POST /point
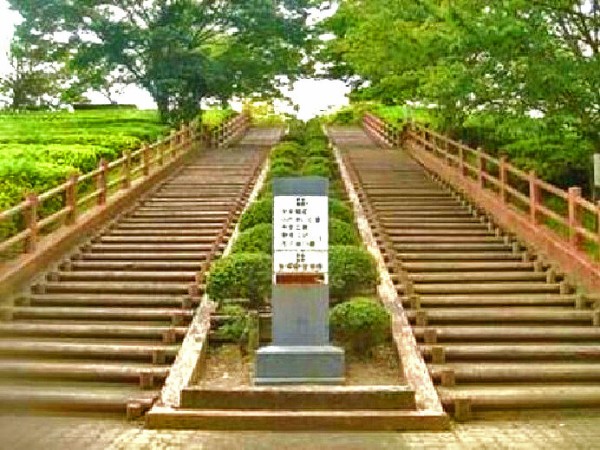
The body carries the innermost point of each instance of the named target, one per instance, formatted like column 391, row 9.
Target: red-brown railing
column 566, row 213
column 94, row 188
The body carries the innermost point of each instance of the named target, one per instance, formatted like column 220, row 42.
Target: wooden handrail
column 132, row 165
column 510, row 184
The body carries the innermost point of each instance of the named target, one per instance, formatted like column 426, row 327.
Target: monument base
column 299, row 365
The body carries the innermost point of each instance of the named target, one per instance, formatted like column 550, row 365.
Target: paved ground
column 568, row 430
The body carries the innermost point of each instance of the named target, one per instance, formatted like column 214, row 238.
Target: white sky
column 312, row 96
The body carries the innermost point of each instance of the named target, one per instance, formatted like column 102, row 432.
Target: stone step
column 112, row 276
column 453, row 247
column 156, row 247
column 157, row 353
column 534, row 372
column 144, row 256
column 428, row 267
column 458, row 256
column 497, row 333
column 485, row 288
column 525, row 299
column 580, row 352
column 102, row 299
column 301, row 398
column 167, row 227
column 114, row 287
column 499, row 315
column 88, row 329
column 142, row 266
column 75, row 397
column 289, row 420
column 67, row 370
column 169, row 232
column 174, row 315
column 402, row 241
column 523, row 396
column 111, row 239
column 455, row 277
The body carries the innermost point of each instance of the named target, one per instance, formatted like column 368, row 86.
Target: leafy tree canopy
column 181, row 51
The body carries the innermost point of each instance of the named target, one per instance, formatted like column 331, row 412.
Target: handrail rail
column 76, row 191
column 564, row 212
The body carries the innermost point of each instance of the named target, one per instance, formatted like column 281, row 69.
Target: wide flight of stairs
column 100, row 332
column 498, row 327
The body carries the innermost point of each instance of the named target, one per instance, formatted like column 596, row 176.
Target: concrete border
column 413, row 364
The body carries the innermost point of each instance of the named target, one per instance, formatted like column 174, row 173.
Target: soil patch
column 226, row 367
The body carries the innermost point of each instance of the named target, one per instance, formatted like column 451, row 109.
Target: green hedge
column 241, row 275
column 258, row 239
column 360, row 324
column 352, row 271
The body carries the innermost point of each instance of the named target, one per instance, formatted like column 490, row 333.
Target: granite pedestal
column 301, row 353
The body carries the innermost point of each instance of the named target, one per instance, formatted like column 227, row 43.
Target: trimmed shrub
column 287, row 150
column 258, row 239
column 352, row 270
column 340, row 210
column 359, row 324
column 241, row 275
column 261, row 211
column 316, row 170
column 342, row 233
column 236, row 324
column 282, row 171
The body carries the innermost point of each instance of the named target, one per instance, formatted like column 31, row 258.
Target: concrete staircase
column 100, row 332
column 498, row 327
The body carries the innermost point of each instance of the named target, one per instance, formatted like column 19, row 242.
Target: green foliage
column 241, row 275
column 430, row 53
column 215, row 116
column 340, row 210
column 235, row 325
column 342, row 233
column 352, row 270
column 360, row 324
column 317, row 167
column 261, row 211
column 258, row 239
column 181, row 51
column 288, row 151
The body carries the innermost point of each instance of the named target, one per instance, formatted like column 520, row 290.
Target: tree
column 181, row 51
column 487, row 66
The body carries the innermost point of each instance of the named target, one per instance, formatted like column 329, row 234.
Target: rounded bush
column 261, row 211
column 316, row 170
column 287, row 150
column 282, row 171
column 258, row 239
column 342, row 233
column 352, row 270
column 283, row 161
column 359, row 324
column 340, row 210
column 241, row 275
column 235, row 325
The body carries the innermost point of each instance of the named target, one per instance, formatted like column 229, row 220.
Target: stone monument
column 300, row 352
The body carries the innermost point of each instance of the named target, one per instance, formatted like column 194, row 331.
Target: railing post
column 503, row 178
column 101, row 181
column 461, row 160
column 71, row 198
column 146, row 160
column 173, row 143
column 534, row 197
column 160, row 152
column 31, row 219
column 480, row 168
column 127, row 171
column 574, row 216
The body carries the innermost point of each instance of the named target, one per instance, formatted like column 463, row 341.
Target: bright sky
column 312, row 96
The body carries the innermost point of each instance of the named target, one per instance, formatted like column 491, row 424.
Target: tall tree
column 499, row 61
column 181, row 51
